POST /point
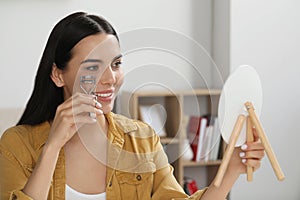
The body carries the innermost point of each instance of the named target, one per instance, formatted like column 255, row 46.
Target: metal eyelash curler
column 88, row 85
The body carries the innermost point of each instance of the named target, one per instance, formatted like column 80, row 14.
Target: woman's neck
column 100, row 127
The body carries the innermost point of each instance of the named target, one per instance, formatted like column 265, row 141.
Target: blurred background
column 263, row 34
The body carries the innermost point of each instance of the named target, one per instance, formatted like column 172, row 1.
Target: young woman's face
column 97, row 56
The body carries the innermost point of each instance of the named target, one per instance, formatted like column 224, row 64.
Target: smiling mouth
column 104, row 95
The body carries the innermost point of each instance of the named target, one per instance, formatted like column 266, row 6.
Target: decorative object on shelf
column 242, row 91
column 155, row 115
column 186, row 147
column 187, row 150
column 190, row 186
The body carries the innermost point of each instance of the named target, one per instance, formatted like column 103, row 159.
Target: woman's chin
column 107, row 109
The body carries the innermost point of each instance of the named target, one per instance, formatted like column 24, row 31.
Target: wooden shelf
column 168, row 140
column 201, row 163
column 203, row 92
column 164, row 93
column 177, row 104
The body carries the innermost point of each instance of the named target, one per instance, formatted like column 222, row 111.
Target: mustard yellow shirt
column 137, row 165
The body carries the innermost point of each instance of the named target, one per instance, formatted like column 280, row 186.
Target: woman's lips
column 104, row 96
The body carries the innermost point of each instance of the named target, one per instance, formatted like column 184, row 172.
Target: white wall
column 220, row 42
column 266, row 35
column 25, row 26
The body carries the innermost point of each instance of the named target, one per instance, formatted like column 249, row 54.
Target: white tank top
column 72, row 194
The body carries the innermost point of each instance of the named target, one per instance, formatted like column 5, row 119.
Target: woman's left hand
column 249, row 154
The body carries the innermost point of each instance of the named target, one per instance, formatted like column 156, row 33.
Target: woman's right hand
column 70, row 116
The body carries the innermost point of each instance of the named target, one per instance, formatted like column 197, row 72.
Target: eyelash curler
column 88, row 85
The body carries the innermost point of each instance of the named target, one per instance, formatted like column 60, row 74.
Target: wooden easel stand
column 252, row 121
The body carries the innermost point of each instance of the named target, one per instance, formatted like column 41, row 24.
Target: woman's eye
column 92, row 68
column 117, row 64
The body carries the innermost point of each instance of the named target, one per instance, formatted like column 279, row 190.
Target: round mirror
column 241, row 86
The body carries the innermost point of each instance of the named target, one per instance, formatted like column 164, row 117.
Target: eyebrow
column 118, row 56
column 91, row 60
column 100, row 61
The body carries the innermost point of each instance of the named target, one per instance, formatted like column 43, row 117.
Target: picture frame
column 155, row 115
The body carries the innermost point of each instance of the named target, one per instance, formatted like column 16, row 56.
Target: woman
column 39, row 157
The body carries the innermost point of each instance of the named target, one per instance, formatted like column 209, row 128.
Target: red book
column 193, row 133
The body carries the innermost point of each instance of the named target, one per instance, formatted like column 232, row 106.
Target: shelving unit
column 176, row 104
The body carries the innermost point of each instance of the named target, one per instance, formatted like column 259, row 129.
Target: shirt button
column 14, row 197
column 138, row 177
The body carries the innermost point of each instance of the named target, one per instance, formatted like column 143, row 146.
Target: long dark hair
column 46, row 96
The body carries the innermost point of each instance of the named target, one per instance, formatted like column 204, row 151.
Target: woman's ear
column 56, row 76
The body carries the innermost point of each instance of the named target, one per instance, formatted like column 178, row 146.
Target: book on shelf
column 206, row 147
column 196, row 127
column 216, row 141
column 212, row 141
column 204, row 137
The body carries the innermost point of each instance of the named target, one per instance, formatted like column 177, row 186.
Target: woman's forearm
column 221, row 192
column 38, row 184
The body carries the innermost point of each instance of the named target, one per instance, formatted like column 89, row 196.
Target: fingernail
column 98, row 104
column 243, row 160
column 98, row 111
column 242, row 154
column 244, row 147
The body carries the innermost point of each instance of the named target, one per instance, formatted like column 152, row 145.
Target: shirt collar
column 120, row 122
column 118, row 125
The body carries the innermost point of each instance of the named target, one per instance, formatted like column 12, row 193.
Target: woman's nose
column 108, row 76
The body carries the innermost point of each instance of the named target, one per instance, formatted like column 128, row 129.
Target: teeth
column 104, row 95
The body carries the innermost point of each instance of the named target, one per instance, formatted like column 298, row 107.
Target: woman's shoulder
column 19, row 135
column 133, row 126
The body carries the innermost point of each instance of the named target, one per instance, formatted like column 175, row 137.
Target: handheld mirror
column 242, row 85
column 241, row 95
